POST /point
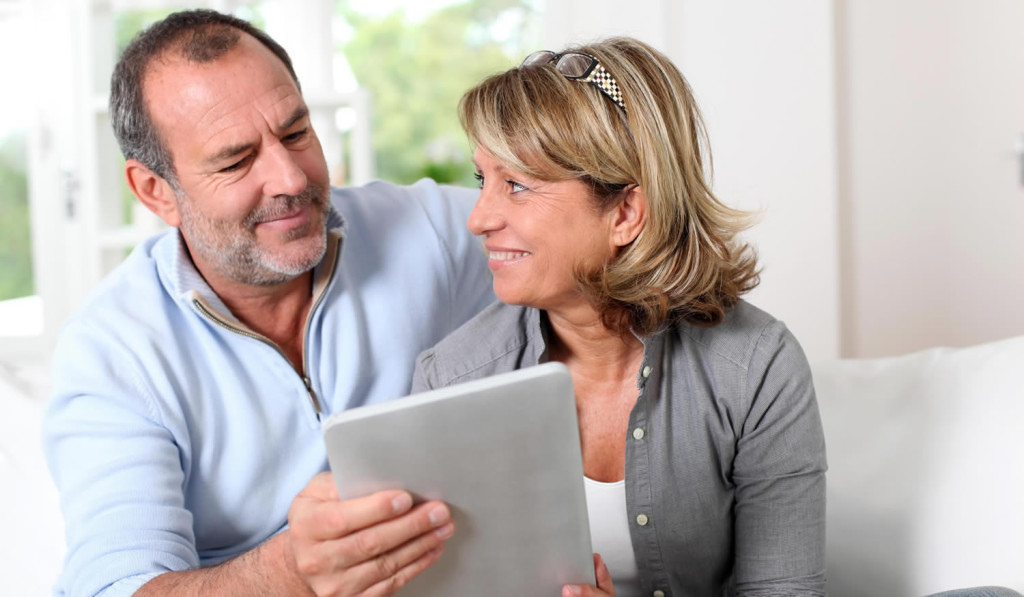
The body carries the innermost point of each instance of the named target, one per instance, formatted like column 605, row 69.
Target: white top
column 609, row 534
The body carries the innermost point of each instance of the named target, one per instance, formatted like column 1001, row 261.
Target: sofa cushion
column 30, row 519
column 926, row 470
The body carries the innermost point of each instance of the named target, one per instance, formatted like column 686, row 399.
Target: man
column 188, row 391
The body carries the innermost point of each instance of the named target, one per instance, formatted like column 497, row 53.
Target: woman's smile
column 499, row 257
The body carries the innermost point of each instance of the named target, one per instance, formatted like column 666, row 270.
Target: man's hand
column 367, row 546
column 604, row 583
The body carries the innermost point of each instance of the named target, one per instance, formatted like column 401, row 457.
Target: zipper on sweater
column 212, row 316
column 312, row 396
column 318, row 298
column 330, row 266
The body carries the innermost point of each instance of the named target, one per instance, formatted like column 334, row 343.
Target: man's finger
column 321, row 486
column 431, row 520
column 391, row 584
column 395, row 567
column 334, row 519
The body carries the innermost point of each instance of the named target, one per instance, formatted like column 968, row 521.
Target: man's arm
column 367, row 546
column 121, row 475
column 469, row 277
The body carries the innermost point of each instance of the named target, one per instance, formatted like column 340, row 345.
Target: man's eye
column 234, row 166
column 296, row 136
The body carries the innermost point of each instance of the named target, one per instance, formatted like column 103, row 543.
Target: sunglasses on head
column 582, row 67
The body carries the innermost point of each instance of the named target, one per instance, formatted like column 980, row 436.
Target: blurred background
column 882, row 142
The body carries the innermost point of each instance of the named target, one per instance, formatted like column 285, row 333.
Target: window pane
column 416, row 58
column 15, row 231
column 20, row 310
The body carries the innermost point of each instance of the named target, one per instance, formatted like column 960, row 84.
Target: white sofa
column 30, row 521
column 926, row 470
column 925, row 482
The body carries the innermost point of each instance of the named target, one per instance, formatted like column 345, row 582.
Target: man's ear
column 153, row 191
column 630, row 216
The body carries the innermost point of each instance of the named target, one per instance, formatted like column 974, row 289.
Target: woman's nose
column 485, row 217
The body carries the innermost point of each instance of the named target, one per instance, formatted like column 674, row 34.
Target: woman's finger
column 604, row 586
column 604, row 578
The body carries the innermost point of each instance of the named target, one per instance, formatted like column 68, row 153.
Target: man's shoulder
column 130, row 300
column 378, row 199
column 418, row 234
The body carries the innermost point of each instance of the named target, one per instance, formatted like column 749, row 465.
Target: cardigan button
column 641, row 520
column 647, row 371
column 658, row 594
column 638, row 433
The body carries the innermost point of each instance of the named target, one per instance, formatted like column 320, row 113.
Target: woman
column 702, row 446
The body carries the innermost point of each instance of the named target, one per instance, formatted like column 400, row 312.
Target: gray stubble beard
column 235, row 252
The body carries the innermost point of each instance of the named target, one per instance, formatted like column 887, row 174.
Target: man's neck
column 277, row 312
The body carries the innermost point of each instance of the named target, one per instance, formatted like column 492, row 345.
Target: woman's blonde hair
column 687, row 263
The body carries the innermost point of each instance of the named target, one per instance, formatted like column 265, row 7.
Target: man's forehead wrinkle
column 228, row 136
column 288, row 109
column 213, row 113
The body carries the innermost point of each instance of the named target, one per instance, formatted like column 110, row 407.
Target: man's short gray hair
column 198, row 36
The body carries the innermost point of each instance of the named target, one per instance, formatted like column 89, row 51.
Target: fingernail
column 571, row 590
column 438, row 516
column 401, row 503
column 445, row 532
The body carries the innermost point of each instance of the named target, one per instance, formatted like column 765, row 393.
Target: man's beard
column 234, row 251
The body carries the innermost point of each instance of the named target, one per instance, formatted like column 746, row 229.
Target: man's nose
column 284, row 175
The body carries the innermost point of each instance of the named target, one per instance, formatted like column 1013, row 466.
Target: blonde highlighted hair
column 687, row 263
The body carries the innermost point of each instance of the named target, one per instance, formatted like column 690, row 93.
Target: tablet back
column 504, row 453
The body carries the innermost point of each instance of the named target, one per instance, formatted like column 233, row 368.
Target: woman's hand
column 604, row 583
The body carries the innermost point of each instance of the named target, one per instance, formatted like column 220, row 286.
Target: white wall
column 878, row 138
column 933, row 103
column 764, row 75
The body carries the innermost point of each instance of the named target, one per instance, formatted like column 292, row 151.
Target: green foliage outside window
column 417, row 71
column 15, row 233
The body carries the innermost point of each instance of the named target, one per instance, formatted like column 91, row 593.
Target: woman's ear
column 153, row 191
column 630, row 216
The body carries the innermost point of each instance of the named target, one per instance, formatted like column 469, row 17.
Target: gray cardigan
column 725, row 456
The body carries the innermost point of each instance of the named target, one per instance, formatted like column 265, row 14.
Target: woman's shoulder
column 500, row 338
column 745, row 330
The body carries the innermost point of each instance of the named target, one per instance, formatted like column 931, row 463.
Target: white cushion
column 926, row 470
column 32, row 549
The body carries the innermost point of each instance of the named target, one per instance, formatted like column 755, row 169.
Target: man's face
column 252, row 179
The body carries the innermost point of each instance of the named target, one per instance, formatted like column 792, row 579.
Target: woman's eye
column 516, row 187
column 479, row 179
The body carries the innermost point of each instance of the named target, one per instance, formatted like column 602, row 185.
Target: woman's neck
column 587, row 346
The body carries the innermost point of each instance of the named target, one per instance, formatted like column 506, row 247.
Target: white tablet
column 504, row 453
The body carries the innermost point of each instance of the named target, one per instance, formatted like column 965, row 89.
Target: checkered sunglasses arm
column 606, row 83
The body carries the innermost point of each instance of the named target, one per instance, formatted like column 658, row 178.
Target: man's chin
column 286, row 265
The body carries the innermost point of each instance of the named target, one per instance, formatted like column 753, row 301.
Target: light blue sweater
column 177, row 442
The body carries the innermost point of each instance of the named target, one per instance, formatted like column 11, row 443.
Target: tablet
column 504, row 453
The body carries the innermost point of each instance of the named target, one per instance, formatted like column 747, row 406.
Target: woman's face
column 537, row 233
